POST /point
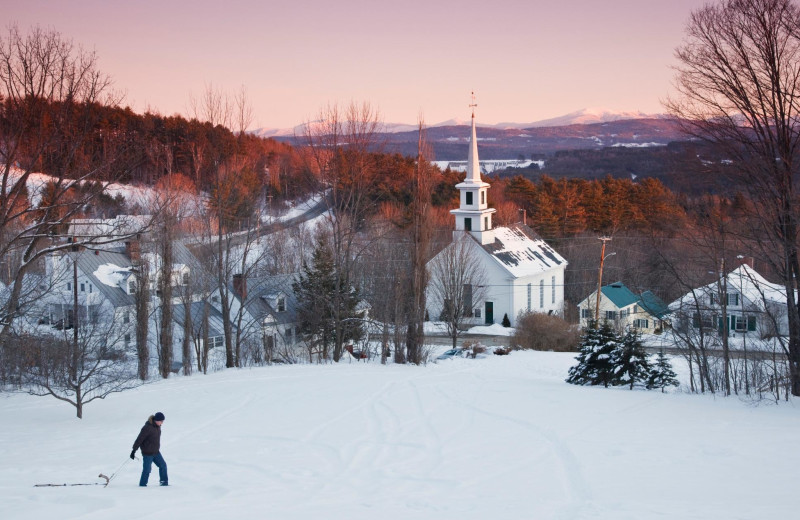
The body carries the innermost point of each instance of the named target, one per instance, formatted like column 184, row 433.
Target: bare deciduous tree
column 738, row 83
column 457, row 281
column 51, row 95
column 84, row 364
column 341, row 143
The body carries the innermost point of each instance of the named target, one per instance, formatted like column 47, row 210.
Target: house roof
column 215, row 325
column 96, row 266
column 653, row 304
column 522, row 252
column 262, row 295
column 745, row 280
column 619, row 295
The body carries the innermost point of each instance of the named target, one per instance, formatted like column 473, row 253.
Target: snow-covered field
column 501, row 437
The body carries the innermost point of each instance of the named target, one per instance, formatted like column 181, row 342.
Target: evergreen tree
column 631, row 364
column 506, row 321
column 316, row 298
column 596, row 357
column 661, row 374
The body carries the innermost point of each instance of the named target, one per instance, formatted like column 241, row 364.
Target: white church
column 522, row 272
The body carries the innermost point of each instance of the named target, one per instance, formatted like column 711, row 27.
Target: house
column 625, row 309
column 753, row 305
column 265, row 311
column 101, row 281
column 523, row 273
column 104, row 281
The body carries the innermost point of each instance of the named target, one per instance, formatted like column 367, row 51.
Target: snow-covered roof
column 521, row 252
column 112, row 274
column 104, row 269
column 745, row 280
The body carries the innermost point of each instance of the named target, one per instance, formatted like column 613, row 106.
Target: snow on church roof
column 522, row 252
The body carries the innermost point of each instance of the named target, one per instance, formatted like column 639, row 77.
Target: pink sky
column 526, row 60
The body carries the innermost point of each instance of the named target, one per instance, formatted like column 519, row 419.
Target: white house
column 753, row 305
column 268, row 309
column 99, row 280
column 523, row 273
column 623, row 309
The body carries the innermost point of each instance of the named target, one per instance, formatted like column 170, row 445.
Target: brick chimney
column 746, row 260
column 133, row 250
column 240, row 286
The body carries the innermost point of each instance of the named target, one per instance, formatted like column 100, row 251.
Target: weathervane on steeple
column 473, row 105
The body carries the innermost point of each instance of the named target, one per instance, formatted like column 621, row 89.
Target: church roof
column 522, row 252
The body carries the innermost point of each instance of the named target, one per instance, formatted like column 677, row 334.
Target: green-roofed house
column 622, row 307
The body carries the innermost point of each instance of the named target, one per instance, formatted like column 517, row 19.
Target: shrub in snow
column 506, row 322
column 661, row 374
column 473, row 348
column 539, row 331
column 500, row 351
column 598, row 350
column 631, row 362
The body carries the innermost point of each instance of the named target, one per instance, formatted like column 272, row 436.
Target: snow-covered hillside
column 501, row 437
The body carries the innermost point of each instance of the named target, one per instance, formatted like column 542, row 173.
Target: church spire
column 474, row 214
column 473, row 164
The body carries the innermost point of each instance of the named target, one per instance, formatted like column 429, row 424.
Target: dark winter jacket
column 149, row 438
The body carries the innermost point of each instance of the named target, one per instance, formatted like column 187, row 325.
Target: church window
column 483, row 197
column 468, row 224
column 485, row 222
column 469, row 198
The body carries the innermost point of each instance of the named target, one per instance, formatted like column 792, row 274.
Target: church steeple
column 474, row 214
column 473, row 164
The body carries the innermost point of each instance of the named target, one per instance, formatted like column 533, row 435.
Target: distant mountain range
column 582, row 130
column 580, row 117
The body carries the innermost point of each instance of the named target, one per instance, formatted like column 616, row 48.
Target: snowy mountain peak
column 583, row 116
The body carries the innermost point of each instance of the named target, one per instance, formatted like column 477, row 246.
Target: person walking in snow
column 149, row 440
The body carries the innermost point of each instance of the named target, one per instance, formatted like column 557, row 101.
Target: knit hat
column 158, row 416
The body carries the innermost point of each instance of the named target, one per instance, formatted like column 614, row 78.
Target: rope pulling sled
column 104, row 484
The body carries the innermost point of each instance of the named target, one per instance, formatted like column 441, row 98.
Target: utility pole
column 600, row 279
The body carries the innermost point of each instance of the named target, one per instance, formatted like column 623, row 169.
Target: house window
column 468, row 224
column 83, row 287
column 743, row 323
column 704, row 320
column 281, row 303
column 469, row 198
column 478, row 312
column 530, row 290
column 586, row 314
column 641, row 323
column 216, row 341
column 127, row 339
column 69, row 286
column 732, row 298
column 185, row 278
column 541, row 294
column 126, row 317
column 90, row 288
column 467, row 303
column 131, row 286
column 553, row 289
column 611, row 315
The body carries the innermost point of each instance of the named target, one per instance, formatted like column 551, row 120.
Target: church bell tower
column 473, row 214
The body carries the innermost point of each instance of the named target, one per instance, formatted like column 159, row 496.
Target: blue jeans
column 147, row 461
